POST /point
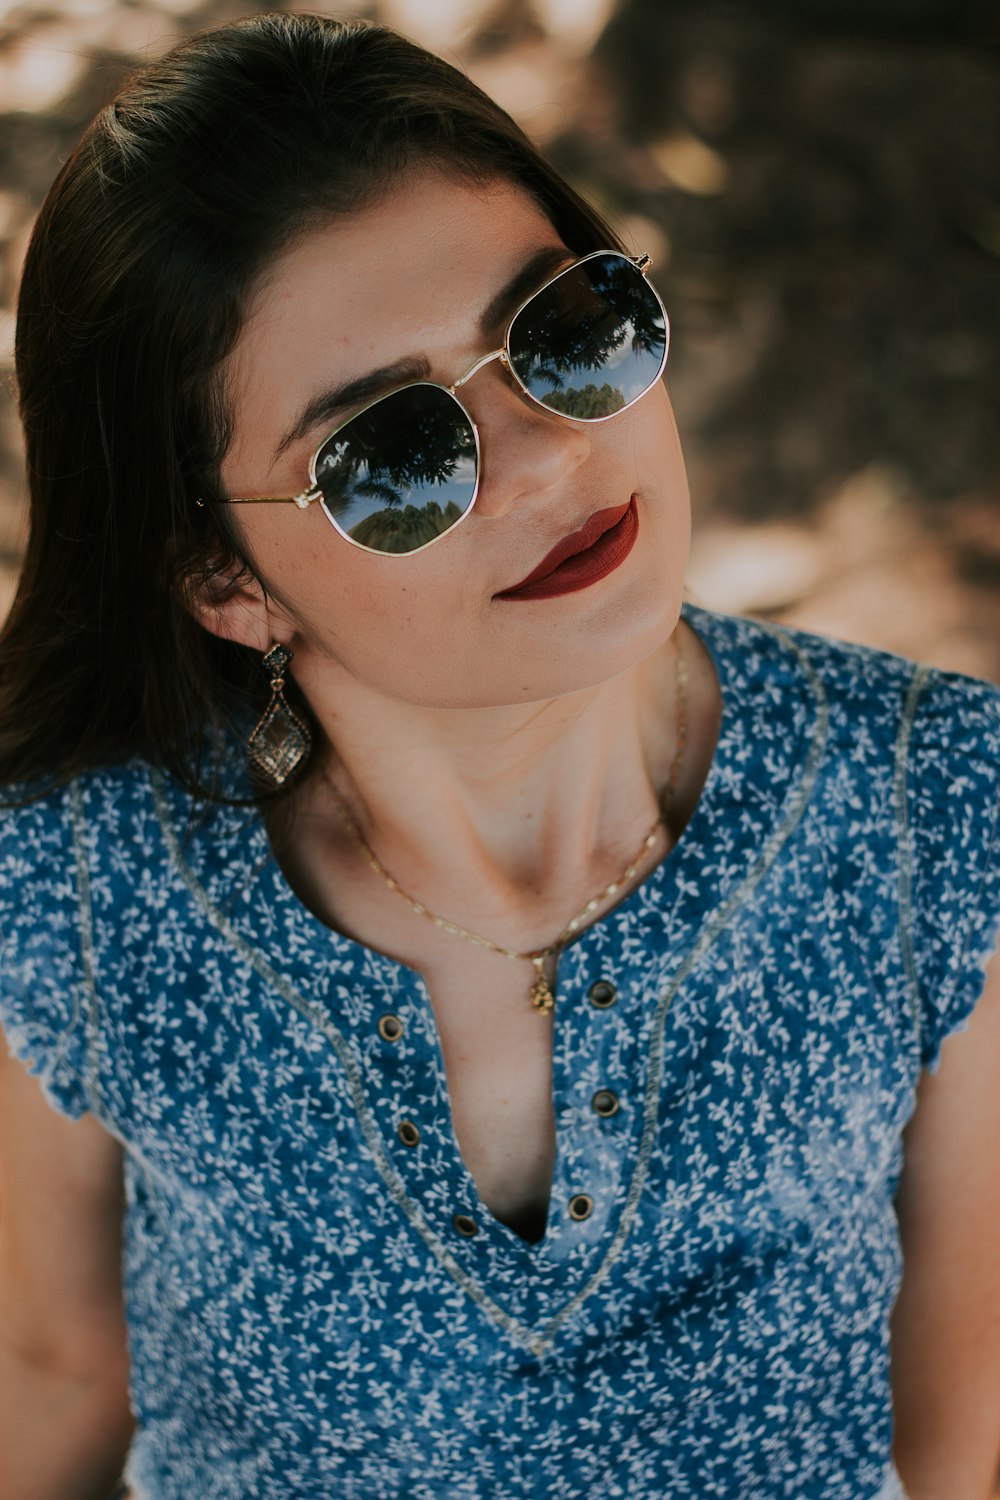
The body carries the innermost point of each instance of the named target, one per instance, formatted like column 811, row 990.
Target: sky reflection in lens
column 401, row 472
column 602, row 319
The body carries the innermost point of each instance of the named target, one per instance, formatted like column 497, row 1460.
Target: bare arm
column 946, row 1324
column 65, row 1422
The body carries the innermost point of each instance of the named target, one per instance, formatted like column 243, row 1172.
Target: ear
column 232, row 604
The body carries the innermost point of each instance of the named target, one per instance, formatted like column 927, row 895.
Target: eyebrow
column 328, row 404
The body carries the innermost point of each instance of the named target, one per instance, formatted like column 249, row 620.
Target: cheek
column 652, row 461
column 428, row 636
column 382, row 625
column 657, row 433
column 333, row 591
column 658, row 475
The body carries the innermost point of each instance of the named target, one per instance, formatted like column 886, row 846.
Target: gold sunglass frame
column 314, row 493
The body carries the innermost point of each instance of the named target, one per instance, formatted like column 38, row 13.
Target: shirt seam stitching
column 338, row 1041
column 536, row 1340
column 904, row 844
column 87, row 948
column 974, row 906
column 708, row 936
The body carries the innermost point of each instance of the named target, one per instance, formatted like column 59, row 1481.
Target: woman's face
column 406, row 283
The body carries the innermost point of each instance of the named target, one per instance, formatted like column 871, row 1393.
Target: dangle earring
column 279, row 740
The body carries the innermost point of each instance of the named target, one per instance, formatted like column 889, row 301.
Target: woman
column 476, row 1000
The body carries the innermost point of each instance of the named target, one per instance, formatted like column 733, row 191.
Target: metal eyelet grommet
column 605, row 1103
column 408, row 1133
column 581, row 1206
column 390, row 1028
column 465, row 1225
column 602, row 994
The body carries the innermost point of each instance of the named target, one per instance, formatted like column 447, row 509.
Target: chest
column 497, row 1052
column 495, row 1046
column 736, row 1057
column 715, row 1051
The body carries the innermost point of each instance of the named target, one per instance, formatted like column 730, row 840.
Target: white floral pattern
column 305, row 1318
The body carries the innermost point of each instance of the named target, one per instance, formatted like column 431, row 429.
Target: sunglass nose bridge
column 487, row 359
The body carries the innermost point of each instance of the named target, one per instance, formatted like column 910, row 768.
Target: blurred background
column 818, row 182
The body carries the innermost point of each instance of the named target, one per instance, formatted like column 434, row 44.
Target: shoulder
column 952, row 723
column 949, row 777
column 908, row 776
column 34, row 822
column 70, row 856
column 42, row 970
column 41, row 828
column 925, row 712
column 38, row 886
column 113, row 818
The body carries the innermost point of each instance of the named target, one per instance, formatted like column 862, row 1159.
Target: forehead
column 407, row 276
column 426, row 229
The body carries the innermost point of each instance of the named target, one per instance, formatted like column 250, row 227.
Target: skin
column 65, row 1420
column 946, row 1322
column 506, row 778
column 537, row 733
column 537, row 739
column 504, row 758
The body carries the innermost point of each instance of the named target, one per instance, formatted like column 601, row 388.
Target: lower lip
column 585, row 568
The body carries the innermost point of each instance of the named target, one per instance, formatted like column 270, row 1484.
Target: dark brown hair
column 145, row 254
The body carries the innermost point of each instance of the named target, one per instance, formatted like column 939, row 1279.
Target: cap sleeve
column 43, row 991
column 951, row 848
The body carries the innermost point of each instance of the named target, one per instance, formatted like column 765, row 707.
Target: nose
column 525, row 450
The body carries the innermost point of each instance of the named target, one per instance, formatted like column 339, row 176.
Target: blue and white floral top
column 321, row 1308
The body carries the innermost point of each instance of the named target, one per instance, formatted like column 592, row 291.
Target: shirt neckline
column 697, row 895
column 719, row 770
column 255, row 864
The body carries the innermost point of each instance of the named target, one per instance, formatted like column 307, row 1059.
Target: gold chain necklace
column 542, row 997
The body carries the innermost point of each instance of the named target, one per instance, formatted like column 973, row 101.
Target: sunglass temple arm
column 303, row 501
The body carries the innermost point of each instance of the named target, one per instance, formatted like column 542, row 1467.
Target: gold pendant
column 542, row 997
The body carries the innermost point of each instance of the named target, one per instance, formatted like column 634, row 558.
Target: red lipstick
column 576, row 562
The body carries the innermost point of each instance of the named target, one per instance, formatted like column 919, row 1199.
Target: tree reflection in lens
column 586, row 403
column 403, row 471
column 601, row 317
column 413, row 440
column 404, row 530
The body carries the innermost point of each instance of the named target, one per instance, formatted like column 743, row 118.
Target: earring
column 279, row 740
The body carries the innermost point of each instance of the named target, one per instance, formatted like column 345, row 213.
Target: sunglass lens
column 401, row 472
column 591, row 342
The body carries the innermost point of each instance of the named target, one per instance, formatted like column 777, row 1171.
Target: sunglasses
column 403, row 472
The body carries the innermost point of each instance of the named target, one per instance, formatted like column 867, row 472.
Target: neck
column 494, row 808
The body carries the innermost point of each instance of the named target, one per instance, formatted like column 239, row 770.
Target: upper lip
column 578, row 541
